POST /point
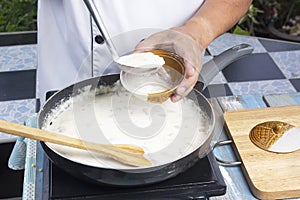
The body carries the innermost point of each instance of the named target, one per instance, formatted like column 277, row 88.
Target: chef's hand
column 183, row 45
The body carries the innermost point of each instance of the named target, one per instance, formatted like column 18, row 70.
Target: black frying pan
column 148, row 175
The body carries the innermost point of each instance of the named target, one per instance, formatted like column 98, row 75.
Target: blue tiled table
column 273, row 68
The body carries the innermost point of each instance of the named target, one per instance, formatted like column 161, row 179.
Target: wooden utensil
column 126, row 154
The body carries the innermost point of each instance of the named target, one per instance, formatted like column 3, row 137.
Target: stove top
column 201, row 181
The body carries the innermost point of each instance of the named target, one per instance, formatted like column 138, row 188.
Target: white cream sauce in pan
column 165, row 131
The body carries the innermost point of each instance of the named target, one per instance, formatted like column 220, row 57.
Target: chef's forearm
column 214, row 18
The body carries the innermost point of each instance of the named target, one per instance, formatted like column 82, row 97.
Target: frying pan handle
column 218, row 63
column 224, row 162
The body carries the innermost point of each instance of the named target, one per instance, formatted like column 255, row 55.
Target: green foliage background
column 18, row 15
column 21, row 15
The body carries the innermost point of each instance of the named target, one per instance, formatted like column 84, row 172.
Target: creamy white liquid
column 165, row 131
column 145, row 84
column 142, row 85
column 142, row 60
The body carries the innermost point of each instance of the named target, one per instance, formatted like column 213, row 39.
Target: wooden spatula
column 126, row 154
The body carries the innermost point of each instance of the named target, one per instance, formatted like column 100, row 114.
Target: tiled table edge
column 19, row 57
column 288, row 62
column 24, row 110
column 227, row 40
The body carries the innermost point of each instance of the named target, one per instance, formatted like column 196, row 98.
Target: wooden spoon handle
column 130, row 148
column 112, row 151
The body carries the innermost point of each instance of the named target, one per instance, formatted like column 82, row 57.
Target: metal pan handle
column 224, row 162
column 218, row 63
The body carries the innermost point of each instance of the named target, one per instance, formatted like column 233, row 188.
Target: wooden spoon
column 121, row 153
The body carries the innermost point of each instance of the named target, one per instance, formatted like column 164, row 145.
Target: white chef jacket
column 67, row 51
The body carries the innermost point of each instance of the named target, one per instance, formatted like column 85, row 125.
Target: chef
column 70, row 46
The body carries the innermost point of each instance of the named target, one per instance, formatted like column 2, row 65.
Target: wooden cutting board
column 269, row 175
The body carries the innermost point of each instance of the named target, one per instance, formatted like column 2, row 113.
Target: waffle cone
column 264, row 135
